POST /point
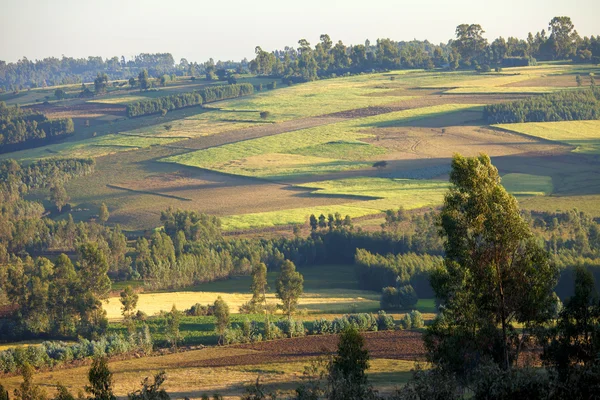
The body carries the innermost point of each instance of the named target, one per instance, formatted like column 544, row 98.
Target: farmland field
column 227, row 370
column 583, row 135
column 330, row 130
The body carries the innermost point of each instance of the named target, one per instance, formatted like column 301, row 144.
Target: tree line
column 20, row 129
column 182, row 100
column 468, row 50
column 53, row 71
column 566, row 105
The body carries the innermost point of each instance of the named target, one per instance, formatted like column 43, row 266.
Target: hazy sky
column 230, row 29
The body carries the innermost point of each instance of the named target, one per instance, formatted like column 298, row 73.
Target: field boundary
column 169, row 196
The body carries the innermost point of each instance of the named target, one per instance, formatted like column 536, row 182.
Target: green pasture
column 583, row 135
column 287, row 217
column 320, row 97
column 95, row 147
column 202, row 122
column 342, row 150
column 260, row 157
column 378, row 195
column 527, row 185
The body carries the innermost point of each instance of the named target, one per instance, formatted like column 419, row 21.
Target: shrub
column 273, row 332
column 320, row 327
column 416, row 319
column 199, row 310
column 385, row 322
column 141, row 316
column 405, row 322
column 232, row 335
column 265, row 114
column 291, row 328
column 7, row 361
column 363, row 322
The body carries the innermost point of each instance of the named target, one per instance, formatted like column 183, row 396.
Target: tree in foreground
column 572, row 346
column 495, row 274
column 101, row 380
column 347, row 373
column 289, row 285
column 221, row 312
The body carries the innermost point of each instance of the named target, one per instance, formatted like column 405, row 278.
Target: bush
column 493, row 383
column 7, row 361
column 405, row 322
column 363, row 322
column 385, row 322
column 416, row 319
column 265, row 114
column 320, row 327
column 273, row 332
column 199, row 310
column 272, row 85
column 291, row 328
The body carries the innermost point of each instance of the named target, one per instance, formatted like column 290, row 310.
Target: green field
column 583, row 135
column 527, row 185
column 378, row 195
column 336, row 149
column 252, row 157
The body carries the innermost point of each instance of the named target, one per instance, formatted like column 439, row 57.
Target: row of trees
column 21, row 129
column 468, row 50
column 561, row 106
column 182, row 100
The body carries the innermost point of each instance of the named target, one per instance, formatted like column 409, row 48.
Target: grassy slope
column 231, row 158
column 584, row 135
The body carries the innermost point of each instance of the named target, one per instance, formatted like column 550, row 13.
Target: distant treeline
column 469, row 50
column 567, row 105
column 20, row 129
column 67, row 70
column 377, row 271
column 182, row 100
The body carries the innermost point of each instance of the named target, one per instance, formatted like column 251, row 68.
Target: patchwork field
column 317, row 134
column 279, row 364
column 255, row 157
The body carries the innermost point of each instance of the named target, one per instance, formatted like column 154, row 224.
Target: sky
column 230, row 29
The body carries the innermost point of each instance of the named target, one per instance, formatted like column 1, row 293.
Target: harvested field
column 418, row 142
column 399, row 345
